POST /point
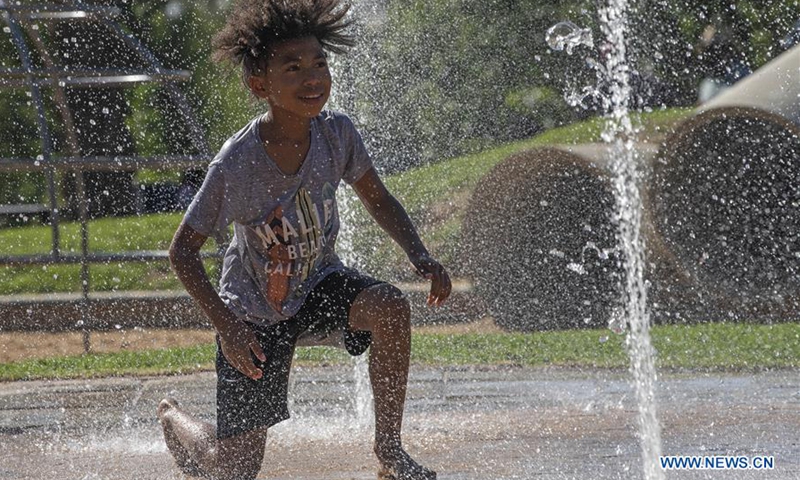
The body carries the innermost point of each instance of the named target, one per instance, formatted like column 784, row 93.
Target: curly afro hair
column 254, row 26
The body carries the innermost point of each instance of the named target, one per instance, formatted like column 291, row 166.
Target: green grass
column 724, row 347
column 142, row 362
column 445, row 184
column 706, row 346
column 147, row 232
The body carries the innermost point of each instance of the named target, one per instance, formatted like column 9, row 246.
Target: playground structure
column 53, row 85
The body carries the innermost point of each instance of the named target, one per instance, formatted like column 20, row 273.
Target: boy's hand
column 430, row 269
column 237, row 340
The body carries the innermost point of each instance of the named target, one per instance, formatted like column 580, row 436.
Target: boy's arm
column 392, row 218
column 236, row 338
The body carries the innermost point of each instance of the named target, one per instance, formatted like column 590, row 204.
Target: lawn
column 719, row 346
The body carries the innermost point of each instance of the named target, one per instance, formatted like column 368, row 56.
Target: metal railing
column 22, row 21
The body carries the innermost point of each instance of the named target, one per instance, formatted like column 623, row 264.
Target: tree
column 669, row 37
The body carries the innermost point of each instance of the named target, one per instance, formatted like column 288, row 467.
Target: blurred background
column 429, row 82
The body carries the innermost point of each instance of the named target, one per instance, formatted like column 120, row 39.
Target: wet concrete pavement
column 489, row 423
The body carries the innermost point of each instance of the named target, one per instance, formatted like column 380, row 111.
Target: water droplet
column 566, row 36
column 617, row 322
column 577, row 268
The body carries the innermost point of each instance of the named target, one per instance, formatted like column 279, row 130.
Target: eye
column 292, row 67
column 322, row 63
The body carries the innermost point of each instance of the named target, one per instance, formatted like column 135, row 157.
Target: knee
column 379, row 308
column 392, row 303
column 384, row 301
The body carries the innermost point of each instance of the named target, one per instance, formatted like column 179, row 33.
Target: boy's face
column 297, row 80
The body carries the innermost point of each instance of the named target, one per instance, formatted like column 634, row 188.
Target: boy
column 282, row 283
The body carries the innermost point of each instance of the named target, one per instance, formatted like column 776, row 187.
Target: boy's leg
column 246, row 408
column 197, row 451
column 383, row 310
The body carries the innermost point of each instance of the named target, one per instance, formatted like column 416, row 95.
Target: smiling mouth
column 312, row 97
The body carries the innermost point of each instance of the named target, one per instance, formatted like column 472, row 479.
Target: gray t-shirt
column 285, row 226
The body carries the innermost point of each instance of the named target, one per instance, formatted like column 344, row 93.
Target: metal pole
column 73, row 147
column 84, row 218
column 44, row 132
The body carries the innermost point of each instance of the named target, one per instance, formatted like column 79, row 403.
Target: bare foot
column 396, row 464
column 166, row 409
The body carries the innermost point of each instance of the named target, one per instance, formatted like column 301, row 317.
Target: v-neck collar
column 271, row 161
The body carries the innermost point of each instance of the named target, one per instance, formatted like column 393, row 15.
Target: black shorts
column 244, row 404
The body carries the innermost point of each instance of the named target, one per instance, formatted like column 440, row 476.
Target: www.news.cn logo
column 716, row 462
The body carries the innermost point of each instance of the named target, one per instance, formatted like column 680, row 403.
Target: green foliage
column 446, row 70
column 668, row 36
column 145, row 122
column 181, row 39
column 446, row 77
column 20, row 139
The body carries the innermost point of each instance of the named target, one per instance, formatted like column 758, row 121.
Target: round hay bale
column 541, row 242
column 725, row 199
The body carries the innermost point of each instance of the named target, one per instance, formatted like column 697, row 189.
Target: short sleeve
column 207, row 214
column 358, row 161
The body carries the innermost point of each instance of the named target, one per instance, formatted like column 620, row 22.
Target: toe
column 164, row 406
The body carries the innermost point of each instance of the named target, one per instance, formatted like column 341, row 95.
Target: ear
column 258, row 85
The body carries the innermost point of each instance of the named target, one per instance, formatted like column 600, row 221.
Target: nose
column 315, row 77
